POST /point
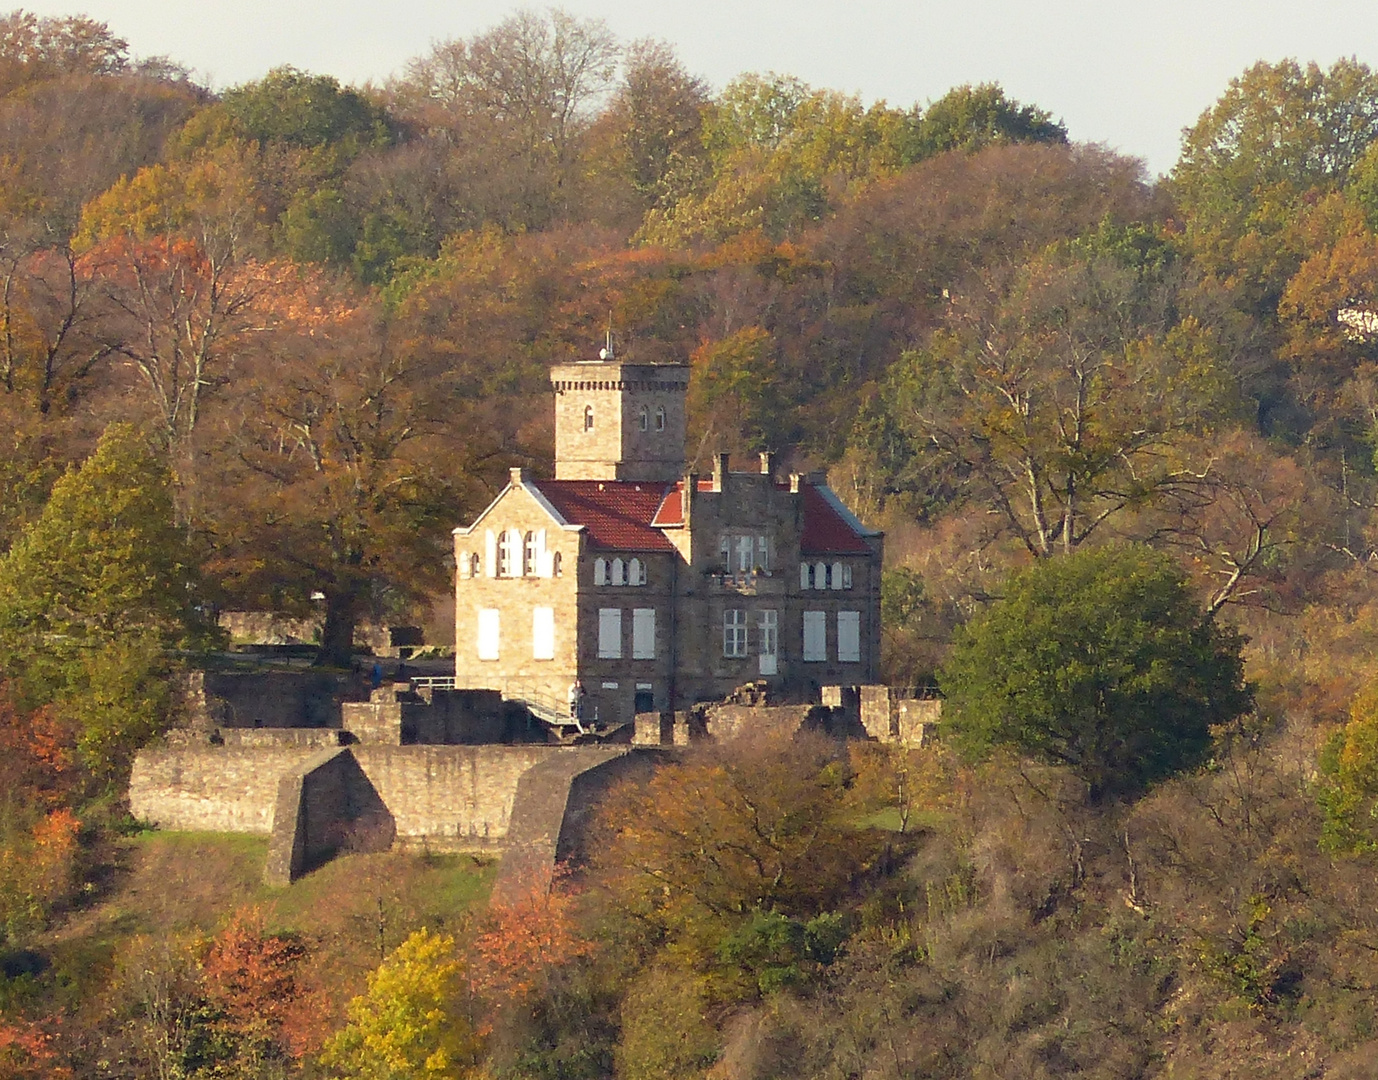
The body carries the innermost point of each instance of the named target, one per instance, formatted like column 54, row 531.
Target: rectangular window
column 734, row 632
column 744, row 560
column 815, row 636
column 763, row 552
column 643, row 633
column 610, row 633
column 543, row 633
column 488, row 625
column 849, row 636
column 768, row 641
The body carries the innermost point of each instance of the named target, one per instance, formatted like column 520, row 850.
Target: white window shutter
column 815, row 636
column 803, row 575
column 849, row 637
column 543, row 633
column 610, row 633
column 835, row 581
column 490, row 562
column 489, row 627
column 543, row 561
column 643, row 633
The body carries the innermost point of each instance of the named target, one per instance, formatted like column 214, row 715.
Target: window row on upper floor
column 617, row 572
column 819, row 575
column 512, row 553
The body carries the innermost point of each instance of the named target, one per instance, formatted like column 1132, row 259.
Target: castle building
column 627, row 584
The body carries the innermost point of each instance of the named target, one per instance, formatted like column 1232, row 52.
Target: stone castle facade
column 628, row 584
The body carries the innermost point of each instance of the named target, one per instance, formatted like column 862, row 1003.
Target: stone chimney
column 767, row 463
column 719, row 471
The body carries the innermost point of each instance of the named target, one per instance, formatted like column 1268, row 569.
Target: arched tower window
column 644, row 419
column 660, row 417
column 588, row 417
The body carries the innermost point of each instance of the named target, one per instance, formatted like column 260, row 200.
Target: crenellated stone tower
column 619, row 421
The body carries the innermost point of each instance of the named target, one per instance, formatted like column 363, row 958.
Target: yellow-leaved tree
column 408, row 1025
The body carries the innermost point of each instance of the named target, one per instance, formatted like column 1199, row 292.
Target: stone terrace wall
column 726, row 722
column 456, row 797
column 220, row 788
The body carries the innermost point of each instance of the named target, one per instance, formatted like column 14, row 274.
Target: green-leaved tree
column 1102, row 661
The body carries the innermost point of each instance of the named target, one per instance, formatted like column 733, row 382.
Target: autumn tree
column 1103, row 662
column 972, row 117
column 95, row 591
column 408, row 1024
column 1060, row 400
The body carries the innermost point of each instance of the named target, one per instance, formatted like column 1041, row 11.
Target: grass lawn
column 182, row 887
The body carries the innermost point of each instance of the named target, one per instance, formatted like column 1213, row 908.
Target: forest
column 264, row 348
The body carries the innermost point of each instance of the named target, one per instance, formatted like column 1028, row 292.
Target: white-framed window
column 588, row 417
column 531, row 555
column 619, row 572
column 474, row 564
column 849, row 637
column 763, row 552
column 734, row 632
column 643, row 633
column 746, row 547
column 543, row 633
column 644, row 419
column 815, row 636
column 768, row 640
column 660, row 417
column 489, row 633
column 610, row 633
column 509, row 549
column 805, row 576
column 835, row 581
column 600, row 571
column 636, row 572
column 557, row 564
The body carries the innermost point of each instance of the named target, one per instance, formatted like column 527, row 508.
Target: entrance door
column 769, row 638
column 645, row 701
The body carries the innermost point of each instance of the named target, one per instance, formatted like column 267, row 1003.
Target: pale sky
column 1127, row 74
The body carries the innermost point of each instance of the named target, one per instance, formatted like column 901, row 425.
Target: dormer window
column 588, row 417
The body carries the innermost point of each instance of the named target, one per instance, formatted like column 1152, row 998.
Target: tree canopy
column 1102, row 661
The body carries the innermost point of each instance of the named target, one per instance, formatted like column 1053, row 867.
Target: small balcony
column 756, row 582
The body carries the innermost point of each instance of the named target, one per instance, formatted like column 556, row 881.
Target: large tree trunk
column 337, row 636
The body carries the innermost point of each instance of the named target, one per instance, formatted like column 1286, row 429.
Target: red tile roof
column 826, row 531
column 616, row 514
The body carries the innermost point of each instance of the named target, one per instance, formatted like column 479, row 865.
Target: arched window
column 473, row 564
column 805, row 576
column 644, row 420
column 847, row 576
column 557, row 565
column 618, row 572
column 588, row 417
column 660, row 417
column 531, row 555
column 836, row 581
column 508, row 547
column 820, row 575
column 600, row 572
column 636, row 572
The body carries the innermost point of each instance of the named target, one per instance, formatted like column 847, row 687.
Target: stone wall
column 219, row 788
column 250, row 699
column 324, row 806
column 726, row 722
column 395, row 715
